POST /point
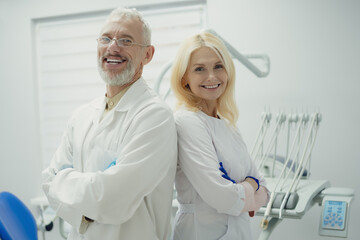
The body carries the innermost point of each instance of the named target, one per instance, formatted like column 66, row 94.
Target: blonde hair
column 226, row 105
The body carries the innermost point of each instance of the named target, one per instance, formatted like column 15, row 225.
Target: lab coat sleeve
column 112, row 196
column 198, row 160
column 261, row 196
column 63, row 159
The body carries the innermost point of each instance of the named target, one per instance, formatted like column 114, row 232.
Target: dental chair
column 16, row 220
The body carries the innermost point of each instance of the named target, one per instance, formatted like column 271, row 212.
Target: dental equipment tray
column 307, row 193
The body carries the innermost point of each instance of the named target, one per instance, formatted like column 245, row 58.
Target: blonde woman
column 217, row 183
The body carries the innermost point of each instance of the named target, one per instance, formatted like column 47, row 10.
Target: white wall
column 20, row 163
column 314, row 50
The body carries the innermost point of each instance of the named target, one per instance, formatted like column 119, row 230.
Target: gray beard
column 120, row 79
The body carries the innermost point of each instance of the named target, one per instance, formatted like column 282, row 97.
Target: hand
column 252, row 182
column 225, row 175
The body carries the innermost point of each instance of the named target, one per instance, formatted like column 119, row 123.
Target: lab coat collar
column 131, row 96
column 127, row 101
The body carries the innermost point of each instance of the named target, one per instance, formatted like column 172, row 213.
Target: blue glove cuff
column 113, row 163
column 225, row 174
column 256, row 180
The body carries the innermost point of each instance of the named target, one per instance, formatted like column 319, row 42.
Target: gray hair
column 132, row 13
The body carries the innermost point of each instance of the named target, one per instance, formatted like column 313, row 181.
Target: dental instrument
column 301, row 193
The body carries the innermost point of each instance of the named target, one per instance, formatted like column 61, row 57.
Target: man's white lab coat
column 131, row 200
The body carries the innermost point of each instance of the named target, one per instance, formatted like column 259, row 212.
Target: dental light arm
column 244, row 59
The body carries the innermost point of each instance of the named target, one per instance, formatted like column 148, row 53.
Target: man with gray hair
column 112, row 175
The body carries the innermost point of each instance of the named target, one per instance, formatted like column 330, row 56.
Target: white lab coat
column 131, row 200
column 211, row 207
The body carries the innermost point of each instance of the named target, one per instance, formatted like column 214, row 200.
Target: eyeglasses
column 122, row 42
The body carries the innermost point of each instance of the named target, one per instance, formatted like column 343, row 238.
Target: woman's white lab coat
column 211, row 207
column 131, row 200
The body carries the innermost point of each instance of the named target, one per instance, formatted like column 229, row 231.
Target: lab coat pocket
column 230, row 233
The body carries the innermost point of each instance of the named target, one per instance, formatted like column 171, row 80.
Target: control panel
column 335, row 213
